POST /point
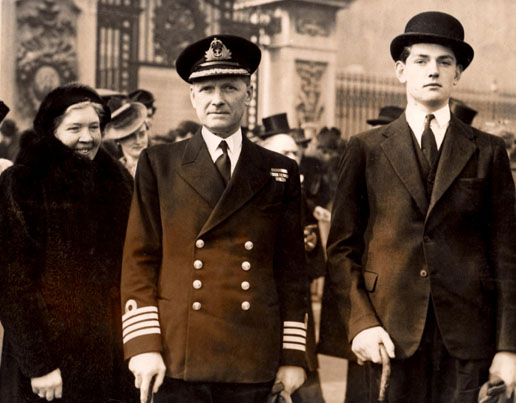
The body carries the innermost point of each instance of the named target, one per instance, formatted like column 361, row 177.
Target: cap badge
column 217, row 51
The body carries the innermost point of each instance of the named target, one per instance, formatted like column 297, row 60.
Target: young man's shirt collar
column 234, row 145
column 439, row 125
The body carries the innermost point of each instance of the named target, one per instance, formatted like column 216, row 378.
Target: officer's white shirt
column 234, row 145
column 439, row 125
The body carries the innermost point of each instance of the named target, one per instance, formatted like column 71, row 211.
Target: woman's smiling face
column 80, row 130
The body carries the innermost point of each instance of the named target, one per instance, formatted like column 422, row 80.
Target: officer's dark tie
column 428, row 144
column 223, row 163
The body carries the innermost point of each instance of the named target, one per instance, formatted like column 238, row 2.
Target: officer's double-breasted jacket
column 215, row 278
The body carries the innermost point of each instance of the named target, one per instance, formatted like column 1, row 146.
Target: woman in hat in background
column 129, row 129
column 63, row 212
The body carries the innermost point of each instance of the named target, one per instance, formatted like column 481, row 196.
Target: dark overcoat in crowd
column 63, row 221
column 392, row 246
column 224, row 268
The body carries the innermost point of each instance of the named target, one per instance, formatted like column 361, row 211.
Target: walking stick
column 386, row 373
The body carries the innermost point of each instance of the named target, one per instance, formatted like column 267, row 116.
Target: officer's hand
column 292, row 377
column 49, row 386
column 144, row 367
column 504, row 366
column 366, row 345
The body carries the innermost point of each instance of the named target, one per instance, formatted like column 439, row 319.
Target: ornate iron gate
column 117, row 44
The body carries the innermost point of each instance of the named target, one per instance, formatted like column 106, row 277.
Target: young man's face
column 429, row 73
column 220, row 103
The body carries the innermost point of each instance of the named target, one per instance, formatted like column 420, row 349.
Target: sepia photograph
column 257, row 201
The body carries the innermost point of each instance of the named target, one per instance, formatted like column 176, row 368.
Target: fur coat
column 62, row 220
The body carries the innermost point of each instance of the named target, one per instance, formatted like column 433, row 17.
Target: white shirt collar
column 416, row 120
column 234, row 145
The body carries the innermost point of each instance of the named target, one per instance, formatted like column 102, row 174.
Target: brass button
column 196, row 306
column 423, row 273
column 197, row 264
column 246, row 266
column 246, row 306
column 197, row 284
column 199, row 243
column 245, row 285
column 249, row 245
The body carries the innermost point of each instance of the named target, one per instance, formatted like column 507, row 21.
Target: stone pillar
column 298, row 70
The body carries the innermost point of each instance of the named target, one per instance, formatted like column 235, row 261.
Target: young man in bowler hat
column 421, row 248
column 213, row 280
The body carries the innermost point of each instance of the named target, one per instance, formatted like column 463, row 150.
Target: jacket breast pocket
column 370, row 279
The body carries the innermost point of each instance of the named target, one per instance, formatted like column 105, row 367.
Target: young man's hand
column 366, row 345
column 504, row 366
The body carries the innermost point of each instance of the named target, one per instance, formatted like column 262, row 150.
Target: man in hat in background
column 386, row 115
column 421, row 248
column 213, row 280
column 278, row 137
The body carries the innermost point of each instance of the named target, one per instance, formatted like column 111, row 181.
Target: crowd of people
column 137, row 266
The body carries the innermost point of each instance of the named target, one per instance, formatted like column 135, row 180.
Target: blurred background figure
column 146, row 98
column 277, row 136
column 129, row 129
column 186, row 129
column 64, row 207
column 462, row 111
column 9, row 140
column 386, row 115
column 505, row 130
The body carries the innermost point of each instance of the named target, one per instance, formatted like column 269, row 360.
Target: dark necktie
column 223, row 163
column 428, row 144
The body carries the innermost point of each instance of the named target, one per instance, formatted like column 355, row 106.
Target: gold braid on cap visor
column 214, row 72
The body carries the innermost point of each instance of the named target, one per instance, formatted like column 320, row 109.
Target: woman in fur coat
column 63, row 213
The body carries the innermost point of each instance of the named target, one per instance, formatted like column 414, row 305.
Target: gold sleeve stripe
column 142, row 332
column 292, row 346
column 294, row 339
column 299, row 325
column 141, row 325
column 147, row 316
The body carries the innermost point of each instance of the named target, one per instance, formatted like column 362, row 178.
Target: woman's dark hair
column 57, row 101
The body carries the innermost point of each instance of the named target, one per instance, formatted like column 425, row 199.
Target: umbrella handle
column 386, row 373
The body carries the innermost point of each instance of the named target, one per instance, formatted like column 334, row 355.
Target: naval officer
column 214, row 288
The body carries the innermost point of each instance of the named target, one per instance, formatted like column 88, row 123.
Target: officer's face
column 220, row 103
column 430, row 72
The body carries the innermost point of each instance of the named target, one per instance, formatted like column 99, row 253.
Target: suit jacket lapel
column 249, row 176
column 458, row 148
column 199, row 171
column 400, row 152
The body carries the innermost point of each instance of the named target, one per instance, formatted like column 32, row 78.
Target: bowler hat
column 462, row 111
column 275, row 124
column 386, row 115
column 434, row 27
column 218, row 55
column 126, row 120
